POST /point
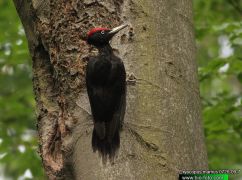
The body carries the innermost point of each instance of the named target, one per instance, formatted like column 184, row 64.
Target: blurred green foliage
column 218, row 28
column 219, row 38
column 18, row 142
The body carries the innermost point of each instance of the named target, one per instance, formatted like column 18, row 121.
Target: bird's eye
column 102, row 32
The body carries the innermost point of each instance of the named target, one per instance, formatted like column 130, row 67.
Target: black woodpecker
column 106, row 88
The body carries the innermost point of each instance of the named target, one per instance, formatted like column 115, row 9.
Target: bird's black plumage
column 106, row 87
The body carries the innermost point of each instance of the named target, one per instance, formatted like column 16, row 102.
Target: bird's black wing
column 93, row 97
column 119, row 93
column 106, row 87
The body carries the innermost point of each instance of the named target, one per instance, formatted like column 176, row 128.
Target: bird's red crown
column 93, row 30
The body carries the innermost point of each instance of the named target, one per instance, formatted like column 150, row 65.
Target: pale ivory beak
column 117, row 29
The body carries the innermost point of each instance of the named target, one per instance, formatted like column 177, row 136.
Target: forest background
column 218, row 30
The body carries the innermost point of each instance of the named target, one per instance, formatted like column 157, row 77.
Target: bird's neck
column 105, row 50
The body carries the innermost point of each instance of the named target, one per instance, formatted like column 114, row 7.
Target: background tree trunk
column 162, row 132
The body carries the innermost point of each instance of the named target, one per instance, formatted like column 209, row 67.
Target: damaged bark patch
column 59, row 58
column 49, row 127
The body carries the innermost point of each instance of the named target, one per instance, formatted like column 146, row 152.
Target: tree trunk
column 162, row 131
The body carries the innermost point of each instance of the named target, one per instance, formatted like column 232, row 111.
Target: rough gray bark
column 162, row 132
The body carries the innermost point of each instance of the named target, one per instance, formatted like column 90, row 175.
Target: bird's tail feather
column 105, row 146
